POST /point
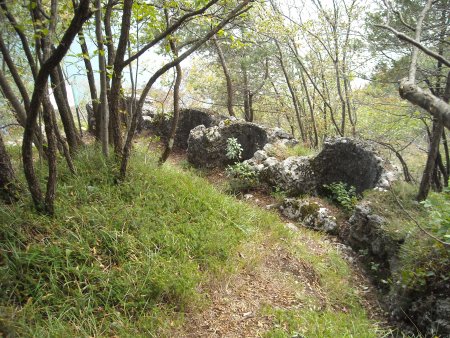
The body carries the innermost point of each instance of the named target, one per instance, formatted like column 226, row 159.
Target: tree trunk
column 15, row 74
column 82, row 14
column 116, row 82
column 425, row 183
column 311, row 111
column 436, row 107
column 230, row 91
column 92, row 86
column 60, row 94
column 292, row 92
column 103, row 104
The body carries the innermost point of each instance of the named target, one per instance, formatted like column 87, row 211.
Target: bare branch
column 410, row 40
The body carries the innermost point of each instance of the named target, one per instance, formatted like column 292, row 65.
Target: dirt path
column 239, row 306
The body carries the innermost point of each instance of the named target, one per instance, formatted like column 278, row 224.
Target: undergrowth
column 130, row 259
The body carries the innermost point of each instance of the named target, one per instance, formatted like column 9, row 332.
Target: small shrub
column 343, row 195
column 279, row 194
column 438, row 206
column 242, row 177
column 234, row 149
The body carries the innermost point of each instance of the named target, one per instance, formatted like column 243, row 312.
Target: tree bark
column 81, row 15
column 103, row 104
column 176, row 101
column 431, row 160
column 116, row 82
column 60, row 95
column 435, row 106
column 22, row 37
column 293, row 95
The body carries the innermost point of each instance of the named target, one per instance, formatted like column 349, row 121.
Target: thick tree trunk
column 8, row 183
column 435, row 106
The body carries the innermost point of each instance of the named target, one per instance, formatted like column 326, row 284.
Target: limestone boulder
column 293, row 175
column 207, row 146
column 347, row 160
column 188, row 120
column 310, row 214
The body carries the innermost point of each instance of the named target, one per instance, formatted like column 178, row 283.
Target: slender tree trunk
column 60, row 94
column 81, row 15
column 103, row 104
column 49, row 207
column 20, row 33
column 116, row 82
column 230, row 90
column 176, row 103
column 293, row 96
column 311, row 111
column 15, row 74
column 92, row 86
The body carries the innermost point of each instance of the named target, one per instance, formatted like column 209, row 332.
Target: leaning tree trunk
column 60, row 94
column 8, row 184
column 425, row 183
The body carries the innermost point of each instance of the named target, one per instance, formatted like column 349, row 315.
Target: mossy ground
column 132, row 259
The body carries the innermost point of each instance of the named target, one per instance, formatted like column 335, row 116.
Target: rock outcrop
column 310, row 214
column 189, row 119
column 293, row 175
column 207, row 146
column 341, row 160
column 366, row 233
column 347, row 160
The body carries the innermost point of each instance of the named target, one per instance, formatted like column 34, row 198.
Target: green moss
column 309, row 209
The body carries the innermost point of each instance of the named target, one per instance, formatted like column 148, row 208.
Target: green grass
column 129, row 259
column 336, row 310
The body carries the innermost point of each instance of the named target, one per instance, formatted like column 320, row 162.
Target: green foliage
column 242, row 177
column 438, row 206
column 343, row 195
column 234, row 149
column 116, row 259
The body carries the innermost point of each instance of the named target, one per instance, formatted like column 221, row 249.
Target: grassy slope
column 128, row 259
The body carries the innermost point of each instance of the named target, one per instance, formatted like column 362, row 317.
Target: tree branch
column 410, row 40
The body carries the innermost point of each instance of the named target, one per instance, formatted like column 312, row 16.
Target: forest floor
column 243, row 305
